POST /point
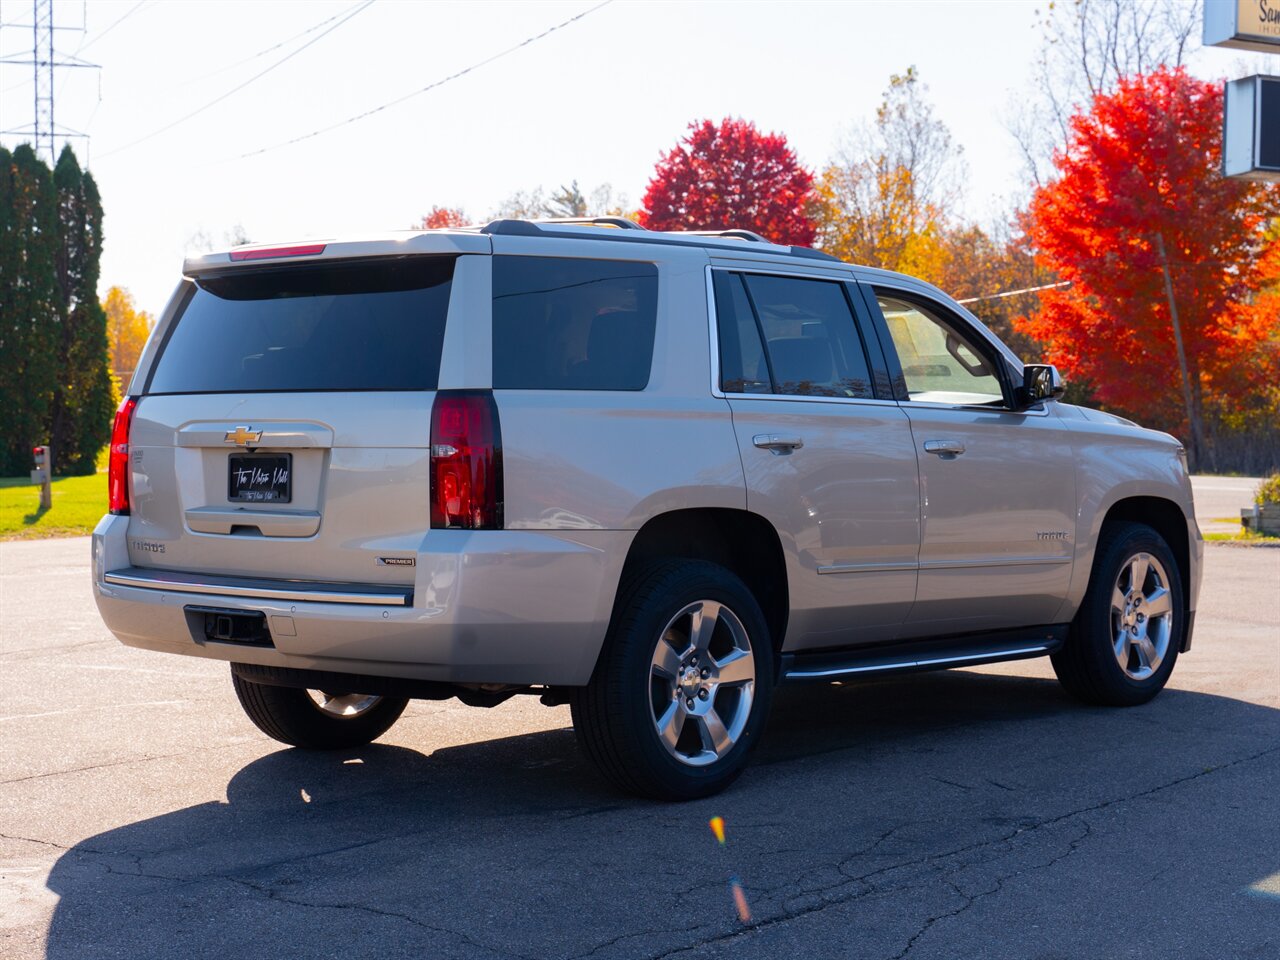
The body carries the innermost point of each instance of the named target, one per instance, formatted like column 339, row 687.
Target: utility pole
column 42, row 68
column 44, row 62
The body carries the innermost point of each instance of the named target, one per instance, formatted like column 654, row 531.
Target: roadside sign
column 1243, row 24
column 1251, row 128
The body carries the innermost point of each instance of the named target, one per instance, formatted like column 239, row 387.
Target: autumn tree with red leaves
column 728, row 176
column 1166, row 315
column 443, row 217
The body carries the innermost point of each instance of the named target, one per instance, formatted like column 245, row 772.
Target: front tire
column 1127, row 634
column 683, row 686
column 316, row 720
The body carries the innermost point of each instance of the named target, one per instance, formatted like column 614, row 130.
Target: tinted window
column 743, row 368
column 809, row 332
column 940, row 364
column 562, row 324
column 334, row 326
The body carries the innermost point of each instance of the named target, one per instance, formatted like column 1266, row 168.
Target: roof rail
column 635, row 234
column 510, row 227
column 622, row 223
column 813, row 254
column 734, row 234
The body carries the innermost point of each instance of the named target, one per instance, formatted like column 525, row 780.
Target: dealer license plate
column 260, row 478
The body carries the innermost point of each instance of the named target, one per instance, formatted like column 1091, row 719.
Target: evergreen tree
column 28, row 307
column 80, row 415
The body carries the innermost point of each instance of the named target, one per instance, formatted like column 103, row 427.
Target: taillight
column 118, row 462
column 466, row 461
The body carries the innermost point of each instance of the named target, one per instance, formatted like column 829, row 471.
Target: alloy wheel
column 701, row 683
column 1141, row 616
column 345, row 706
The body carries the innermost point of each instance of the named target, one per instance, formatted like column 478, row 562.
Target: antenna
column 44, row 61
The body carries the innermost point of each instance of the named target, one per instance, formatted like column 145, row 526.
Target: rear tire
column 1126, row 636
column 320, row 722
column 683, row 686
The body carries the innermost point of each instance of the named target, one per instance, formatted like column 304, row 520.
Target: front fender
column 1116, row 461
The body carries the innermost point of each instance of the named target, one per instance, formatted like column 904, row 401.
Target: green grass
column 78, row 505
column 1244, row 536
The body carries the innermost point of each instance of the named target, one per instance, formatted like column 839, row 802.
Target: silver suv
column 650, row 475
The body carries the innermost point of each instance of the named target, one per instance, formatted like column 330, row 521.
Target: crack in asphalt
column 15, row 656
column 868, row 888
column 43, row 843
column 795, row 905
column 970, row 900
column 117, row 763
column 271, row 893
column 277, row 896
column 97, row 708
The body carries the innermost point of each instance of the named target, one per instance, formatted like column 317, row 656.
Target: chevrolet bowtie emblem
column 243, row 436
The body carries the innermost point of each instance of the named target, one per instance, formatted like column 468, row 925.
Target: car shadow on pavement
column 513, row 847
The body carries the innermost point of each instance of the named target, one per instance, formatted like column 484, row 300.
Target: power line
column 271, row 49
column 1016, row 293
column 236, row 89
column 98, row 36
column 430, row 86
column 83, row 45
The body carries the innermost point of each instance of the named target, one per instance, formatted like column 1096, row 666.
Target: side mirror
column 1040, row 381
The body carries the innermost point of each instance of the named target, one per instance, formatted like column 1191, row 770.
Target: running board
column 920, row 655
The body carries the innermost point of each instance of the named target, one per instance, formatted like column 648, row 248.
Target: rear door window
column 570, row 324
column 367, row 325
column 789, row 335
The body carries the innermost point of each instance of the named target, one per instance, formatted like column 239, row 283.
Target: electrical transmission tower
column 44, row 61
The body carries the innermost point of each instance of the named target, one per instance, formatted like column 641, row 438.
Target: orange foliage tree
column 443, row 217
column 127, row 332
column 1166, row 315
column 730, row 175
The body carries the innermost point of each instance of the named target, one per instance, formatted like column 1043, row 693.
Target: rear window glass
column 371, row 325
column 561, row 324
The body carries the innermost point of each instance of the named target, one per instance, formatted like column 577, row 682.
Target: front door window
column 939, row 364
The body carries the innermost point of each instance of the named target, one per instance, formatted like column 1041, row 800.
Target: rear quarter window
column 364, row 325
column 568, row 324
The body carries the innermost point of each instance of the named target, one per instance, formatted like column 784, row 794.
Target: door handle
column 946, row 449
column 777, row 444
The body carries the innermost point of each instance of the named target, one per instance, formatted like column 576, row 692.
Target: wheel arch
column 738, row 540
column 1167, row 519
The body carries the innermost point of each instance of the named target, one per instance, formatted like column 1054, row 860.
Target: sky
column 596, row 100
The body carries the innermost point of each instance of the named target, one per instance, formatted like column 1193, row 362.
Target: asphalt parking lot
column 974, row 813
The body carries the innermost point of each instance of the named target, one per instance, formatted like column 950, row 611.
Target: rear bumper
column 501, row 606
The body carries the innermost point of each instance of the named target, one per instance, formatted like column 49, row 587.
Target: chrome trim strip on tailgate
column 305, row 591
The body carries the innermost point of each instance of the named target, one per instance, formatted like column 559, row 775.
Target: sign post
column 41, row 476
